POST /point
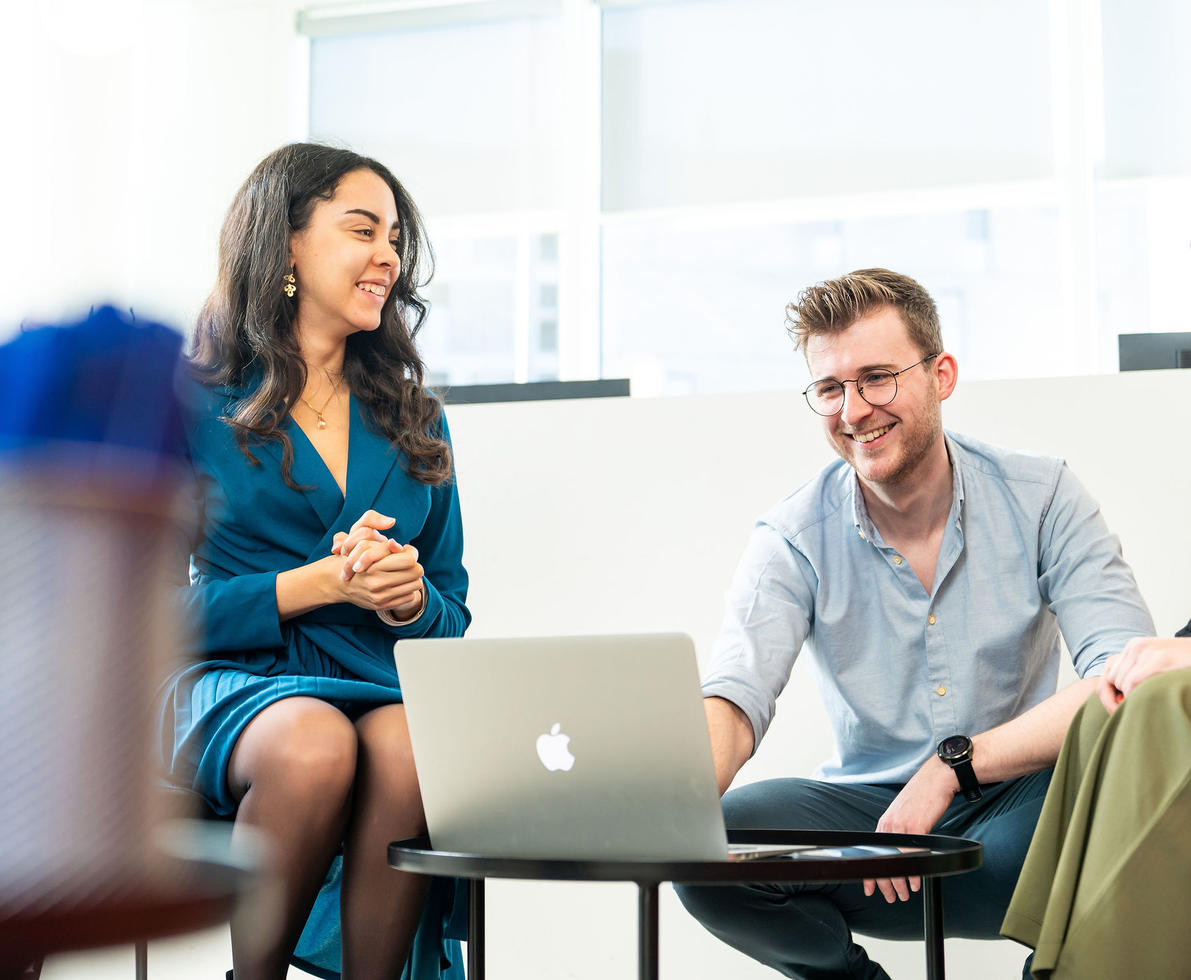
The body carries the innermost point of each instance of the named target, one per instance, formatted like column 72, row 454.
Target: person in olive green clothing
column 1106, row 883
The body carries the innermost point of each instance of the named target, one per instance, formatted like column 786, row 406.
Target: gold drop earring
column 290, row 286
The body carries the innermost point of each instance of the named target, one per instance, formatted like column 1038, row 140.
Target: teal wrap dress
column 251, row 526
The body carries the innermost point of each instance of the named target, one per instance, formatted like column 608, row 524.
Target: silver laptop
column 564, row 747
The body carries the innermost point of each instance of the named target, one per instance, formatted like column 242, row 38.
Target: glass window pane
column 1147, row 86
column 1143, row 262
column 468, row 336
column 492, row 297
column 738, row 100
column 467, row 116
column 702, row 309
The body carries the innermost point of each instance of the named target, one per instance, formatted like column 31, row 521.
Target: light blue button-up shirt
column 1026, row 557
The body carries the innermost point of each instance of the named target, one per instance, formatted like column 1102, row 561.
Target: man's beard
column 918, row 440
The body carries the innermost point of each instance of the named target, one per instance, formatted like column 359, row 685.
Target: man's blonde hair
column 832, row 306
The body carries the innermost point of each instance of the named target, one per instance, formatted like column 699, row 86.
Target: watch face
column 954, row 745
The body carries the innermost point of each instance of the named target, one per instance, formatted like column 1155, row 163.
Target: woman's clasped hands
column 377, row 572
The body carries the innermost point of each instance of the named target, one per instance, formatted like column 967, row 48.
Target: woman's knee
column 297, row 743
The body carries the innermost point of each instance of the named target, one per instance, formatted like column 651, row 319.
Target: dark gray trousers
column 805, row 930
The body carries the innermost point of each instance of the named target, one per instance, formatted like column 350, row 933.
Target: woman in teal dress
column 329, row 528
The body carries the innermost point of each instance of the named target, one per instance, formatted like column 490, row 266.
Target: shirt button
column 862, row 537
column 941, row 690
column 931, row 619
column 897, row 559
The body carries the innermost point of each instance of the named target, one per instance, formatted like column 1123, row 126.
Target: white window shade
column 493, row 308
column 467, row 116
column 1147, row 87
column 741, row 100
column 700, row 308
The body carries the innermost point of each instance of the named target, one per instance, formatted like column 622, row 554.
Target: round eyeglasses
column 877, row 387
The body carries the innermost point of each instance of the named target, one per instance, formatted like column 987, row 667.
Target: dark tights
column 308, row 778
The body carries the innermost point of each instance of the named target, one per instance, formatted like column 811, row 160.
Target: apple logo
column 552, row 750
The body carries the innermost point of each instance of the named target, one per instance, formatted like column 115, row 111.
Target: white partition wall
column 629, row 514
column 622, row 515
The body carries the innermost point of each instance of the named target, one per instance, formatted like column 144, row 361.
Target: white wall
column 622, row 515
column 632, row 512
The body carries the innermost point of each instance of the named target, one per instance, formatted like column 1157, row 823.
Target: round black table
column 831, row 856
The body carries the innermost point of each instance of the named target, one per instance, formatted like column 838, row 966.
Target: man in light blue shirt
column 932, row 577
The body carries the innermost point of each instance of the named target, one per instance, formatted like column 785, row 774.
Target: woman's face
column 345, row 259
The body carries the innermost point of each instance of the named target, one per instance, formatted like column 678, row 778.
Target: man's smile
column 872, row 434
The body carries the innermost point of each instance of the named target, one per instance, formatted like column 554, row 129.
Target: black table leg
column 475, row 929
column 932, row 908
column 647, row 930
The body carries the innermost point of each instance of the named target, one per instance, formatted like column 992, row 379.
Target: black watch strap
column 968, row 785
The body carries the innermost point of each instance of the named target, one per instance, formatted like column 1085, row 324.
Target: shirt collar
column 864, row 523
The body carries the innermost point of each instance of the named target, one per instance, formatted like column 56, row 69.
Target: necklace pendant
column 322, row 422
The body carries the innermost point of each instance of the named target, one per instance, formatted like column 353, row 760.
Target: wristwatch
column 956, row 751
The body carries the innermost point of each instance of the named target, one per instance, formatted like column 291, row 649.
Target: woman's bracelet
column 387, row 617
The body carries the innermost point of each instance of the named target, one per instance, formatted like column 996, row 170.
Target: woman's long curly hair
column 245, row 336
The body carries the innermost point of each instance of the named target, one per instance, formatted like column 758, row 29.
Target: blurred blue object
column 105, row 380
column 92, row 482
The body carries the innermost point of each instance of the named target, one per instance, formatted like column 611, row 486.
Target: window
column 468, row 115
column 636, row 189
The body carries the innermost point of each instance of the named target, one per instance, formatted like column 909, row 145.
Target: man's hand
column 1143, row 657
column 915, row 810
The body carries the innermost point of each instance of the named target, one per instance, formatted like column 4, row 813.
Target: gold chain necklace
column 322, row 422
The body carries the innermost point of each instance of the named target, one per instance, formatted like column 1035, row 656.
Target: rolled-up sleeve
column 1084, row 579
column 768, row 618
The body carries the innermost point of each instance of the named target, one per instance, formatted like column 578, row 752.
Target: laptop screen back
column 563, row 747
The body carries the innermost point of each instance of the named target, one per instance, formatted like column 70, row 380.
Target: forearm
column 302, row 589
column 1031, row 741
column 731, row 739
column 1026, row 744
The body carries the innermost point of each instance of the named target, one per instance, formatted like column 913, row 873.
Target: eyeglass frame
column 855, row 382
